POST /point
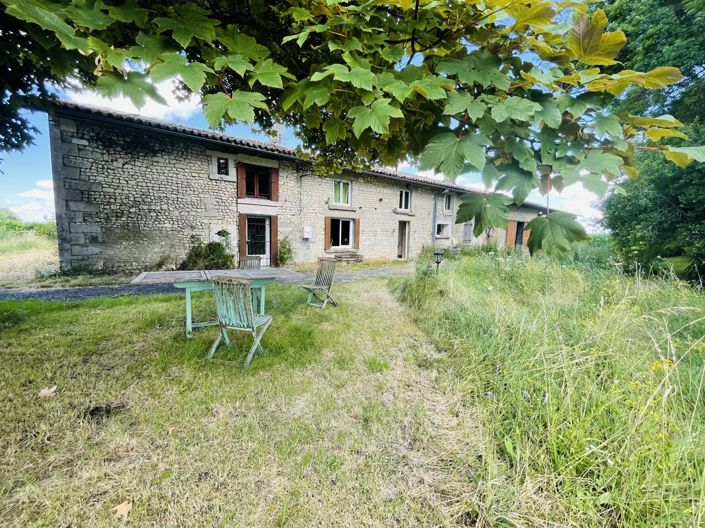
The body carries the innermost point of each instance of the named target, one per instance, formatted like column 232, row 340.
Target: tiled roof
column 70, row 108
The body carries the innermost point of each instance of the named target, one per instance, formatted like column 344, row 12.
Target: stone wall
column 128, row 200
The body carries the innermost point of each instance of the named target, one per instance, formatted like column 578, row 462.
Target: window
column 341, row 192
column 443, row 230
column 222, row 166
column 341, row 232
column 448, row 206
column 467, row 232
column 519, row 237
column 404, row 200
column 258, row 181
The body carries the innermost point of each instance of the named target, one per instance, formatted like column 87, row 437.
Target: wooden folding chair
column 250, row 262
column 233, row 304
column 320, row 289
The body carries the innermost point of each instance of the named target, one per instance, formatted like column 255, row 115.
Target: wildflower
column 525, row 394
column 489, row 394
column 664, row 364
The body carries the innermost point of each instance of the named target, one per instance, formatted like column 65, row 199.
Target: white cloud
column 174, row 109
column 45, row 184
column 43, row 190
column 35, row 211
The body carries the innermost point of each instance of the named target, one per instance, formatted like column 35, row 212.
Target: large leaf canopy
column 515, row 89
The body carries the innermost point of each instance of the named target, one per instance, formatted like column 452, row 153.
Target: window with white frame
column 342, row 194
column 405, row 200
column 341, row 231
column 222, row 166
column 442, row 230
column 448, row 204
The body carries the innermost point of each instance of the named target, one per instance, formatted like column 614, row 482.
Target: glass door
column 258, row 238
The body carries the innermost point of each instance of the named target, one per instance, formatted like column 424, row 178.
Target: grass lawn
column 590, row 383
column 341, row 423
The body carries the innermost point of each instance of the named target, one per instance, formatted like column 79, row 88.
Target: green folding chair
column 233, row 305
column 319, row 291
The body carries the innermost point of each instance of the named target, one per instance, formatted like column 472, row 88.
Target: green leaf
column 447, row 152
column 130, row 11
column 193, row 74
column 515, row 108
column 268, row 73
column 460, row 102
column 430, row 88
column 335, row 129
column 590, row 44
column 555, row 233
column 375, row 117
column 549, row 113
column 684, row 156
column 517, row 180
column 352, row 44
column 191, row 22
column 657, row 134
column 609, row 124
column 486, row 210
column 398, row 89
column 598, row 162
column 318, row 94
column 479, row 67
column 216, row 106
column 616, row 84
column 237, row 63
column 134, row 86
column 241, row 44
column 239, row 107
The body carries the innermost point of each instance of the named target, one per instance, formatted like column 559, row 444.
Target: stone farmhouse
column 131, row 191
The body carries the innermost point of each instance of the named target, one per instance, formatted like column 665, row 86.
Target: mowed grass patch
column 590, row 383
column 309, row 435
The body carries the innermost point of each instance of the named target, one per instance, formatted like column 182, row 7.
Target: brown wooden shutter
column 274, row 239
column 241, row 180
column 525, row 242
column 357, row 233
column 242, row 235
column 326, row 234
column 275, row 185
column 511, row 233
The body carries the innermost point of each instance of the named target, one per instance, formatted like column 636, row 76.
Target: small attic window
column 222, row 166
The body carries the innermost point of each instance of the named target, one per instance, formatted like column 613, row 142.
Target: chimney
column 278, row 138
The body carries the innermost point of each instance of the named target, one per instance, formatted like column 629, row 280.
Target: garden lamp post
column 438, row 256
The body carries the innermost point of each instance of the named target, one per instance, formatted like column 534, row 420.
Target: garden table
column 202, row 280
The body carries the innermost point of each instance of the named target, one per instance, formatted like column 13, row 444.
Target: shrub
column 209, row 256
column 285, row 254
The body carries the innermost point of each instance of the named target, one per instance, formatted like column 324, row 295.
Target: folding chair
column 233, row 304
column 320, row 289
column 250, row 262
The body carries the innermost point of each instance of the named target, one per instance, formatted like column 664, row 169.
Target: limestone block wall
column 129, row 201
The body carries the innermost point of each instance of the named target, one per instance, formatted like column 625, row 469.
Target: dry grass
column 365, row 264
column 342, row 423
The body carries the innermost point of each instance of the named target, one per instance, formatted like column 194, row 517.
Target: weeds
column 591, row 384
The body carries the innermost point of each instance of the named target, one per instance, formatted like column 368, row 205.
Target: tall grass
column 590, row 382
column 17, row 236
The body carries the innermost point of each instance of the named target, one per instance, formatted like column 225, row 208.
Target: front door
column 402, row 245
column 258, row 238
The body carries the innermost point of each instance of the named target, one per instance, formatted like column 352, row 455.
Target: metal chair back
column 326, row 273
column 233, row 303
column 250, row 262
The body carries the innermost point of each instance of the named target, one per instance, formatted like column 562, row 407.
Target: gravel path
column 78, row 293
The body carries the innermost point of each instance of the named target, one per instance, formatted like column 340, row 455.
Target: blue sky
column 26, row 184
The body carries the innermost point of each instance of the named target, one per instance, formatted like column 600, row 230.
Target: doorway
column 258, row 238
column 403, row 242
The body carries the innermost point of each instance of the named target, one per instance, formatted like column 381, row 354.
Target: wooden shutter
column 326, row 234
column 241, row 180
column 511, row 233
column 274, row 239
column 275, row 185
column 242, row 235
column 356, row 222
column 525, row 242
